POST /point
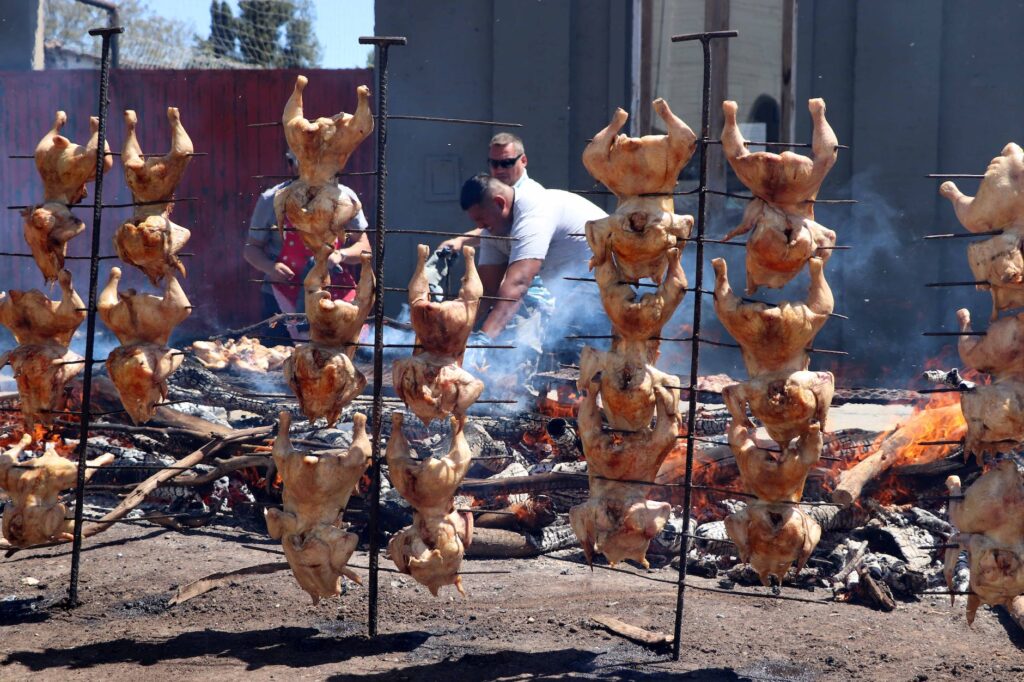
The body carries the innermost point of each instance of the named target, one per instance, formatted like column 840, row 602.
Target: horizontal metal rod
column 706, row 35
column 134, row 203
column 802, row 145
column 951, row 389
column 101, row 360
column 750, row 197
column 940, row 442
column 395, row 231
column 370, row 345
column 409, row 117
column 974, row 333
column 184, row 307
column 605, row 192
column 955, row 175
column 963, row 235
column 29, row 255
column 32, row 156
column 956, row 284
column 450, row 297
column 289, row 176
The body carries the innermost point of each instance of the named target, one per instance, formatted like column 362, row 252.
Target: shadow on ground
column 286, row 646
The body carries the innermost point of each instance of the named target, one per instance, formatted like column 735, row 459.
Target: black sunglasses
column 503, row 163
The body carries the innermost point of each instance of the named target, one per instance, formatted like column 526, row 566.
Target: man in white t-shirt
column 546, row 227
column 506, row 158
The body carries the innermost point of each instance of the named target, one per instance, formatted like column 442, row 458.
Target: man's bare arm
column 471, row 238
column 514, row 286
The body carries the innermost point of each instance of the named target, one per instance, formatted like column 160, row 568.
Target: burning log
column 853, row 480
column 533, row 513
column 495, row 543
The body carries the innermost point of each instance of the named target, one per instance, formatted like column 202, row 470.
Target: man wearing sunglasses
column 546, row 227
column 506, row 161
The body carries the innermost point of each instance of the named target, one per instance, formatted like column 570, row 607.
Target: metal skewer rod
column 963, row 235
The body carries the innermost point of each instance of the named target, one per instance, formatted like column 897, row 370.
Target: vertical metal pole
column 691, row 415
column 90, row 334
column 380, row 65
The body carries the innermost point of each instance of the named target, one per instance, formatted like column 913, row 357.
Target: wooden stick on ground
column 215, row 580
column 632, row 632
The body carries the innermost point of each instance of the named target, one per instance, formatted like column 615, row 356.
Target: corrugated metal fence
column 216, row 107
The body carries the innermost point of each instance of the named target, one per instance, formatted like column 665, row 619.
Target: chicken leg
column 337, row 323
column 154, row 178
column 65, row 167
column 142, row 318
column 443, row 328
column 33, row 318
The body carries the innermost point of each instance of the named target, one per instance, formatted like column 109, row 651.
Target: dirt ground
column 529, row 621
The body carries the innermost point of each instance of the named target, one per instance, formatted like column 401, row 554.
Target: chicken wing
column 772, row 476
column 785, row 402
column 337, row 323
column 322, row 146
column 324, row 380
column 140, row 372
column 771, row 536
column 142, row 318
column 773, row 338
column 788, row 181
column 65, row 167
column 41, row 371
column 638, row 235
column 630, row 166
column 443, row 328
column 33, row 318
column 35, row 514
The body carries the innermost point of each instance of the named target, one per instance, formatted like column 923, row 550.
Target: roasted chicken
column 999, row 264
column 640, row 318
column 142, row 318
column 34, row 318
column 318, row 212
column 48, row 228
column 65, row 167
column 431, row 549
column 788, row 181
column 434, row 386
column 995, row 418
column 35, row 514
column 630, row 166
column 154, row 178
column 773, row 338
column 41, row 371
column 1000, row 352
column 323, row 379
column 322, row 146
column 771, row 536
column 999, row 202
column 337, row 323
column 443, row 328
column 638, row 235
column 317, row 488
column 774, row 476
column 618, row 520
column 785, row 402
column 245, row 354
column 152, row 245
column 780, row 244
column 627, row 385
column 140, row 372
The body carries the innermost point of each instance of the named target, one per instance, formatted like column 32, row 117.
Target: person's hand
column 455, row 244
column 336, row 258
column 281, row 273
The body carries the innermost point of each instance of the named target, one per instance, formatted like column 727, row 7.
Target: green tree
column 148, row 39
column 276, row 33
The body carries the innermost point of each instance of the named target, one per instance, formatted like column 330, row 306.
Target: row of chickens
column 792, row 402
column 43, row 328
column 989, row 519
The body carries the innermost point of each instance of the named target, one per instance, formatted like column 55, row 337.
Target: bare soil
column 532, row 620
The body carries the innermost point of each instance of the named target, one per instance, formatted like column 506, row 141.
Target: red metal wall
column 216, row 107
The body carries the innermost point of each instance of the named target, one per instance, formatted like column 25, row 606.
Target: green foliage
column 267, row 33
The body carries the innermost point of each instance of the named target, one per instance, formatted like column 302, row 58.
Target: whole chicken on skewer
column 999, row 203
column 1000, row 352
column 640, row 318
column 324, row 380
column 139, row 372
column 336, row 322
column 142, row 318
column 48, row 228
column 41, row 370
column 65, row 167
column 999, row 263
column 638, row 235
column 771, row 536
column 443, row 328
column 995, row 418
column 318, row 212
column 630, row 166
column 431, row 549
column 772, row 476
column 627, row 384
column 317, row 488
column 780, row 244
column 435, row 387
column 618, row 520
column 150, row 240
column 33, row 318
column 773, row 338
column 785, row 402
column 36, row 515
column 788, row 181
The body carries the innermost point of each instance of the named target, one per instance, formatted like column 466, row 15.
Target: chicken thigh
column 33, row 318
column 142, row 318
column 771, row 536
column 630, row 166
column 48, row 228
column 41, row 371
column 1000, row 352
column 140, row 372
column 638, row 235
column 324, row 380
column 785, row 402
column 773, row 338
column 788, row 181
column 443, row 328
column 1000, row 200
column 337, row 323
column 322, row 146
column 36, row 515
column 772, row 476
column 780, row 244
column 65, row 167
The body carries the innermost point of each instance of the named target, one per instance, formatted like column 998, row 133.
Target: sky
column 339, row 23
